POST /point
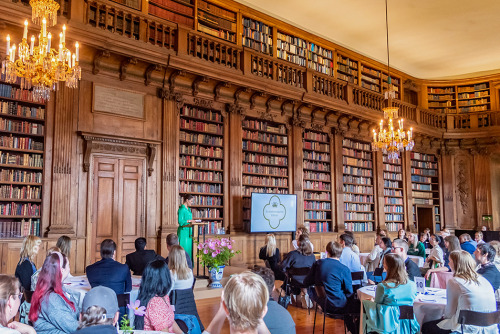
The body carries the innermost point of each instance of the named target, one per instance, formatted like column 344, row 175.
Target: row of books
column 252, row 168
column 444, row 90
column 393, row 176
column 265, row 137
column 15, row 192
column 257, row 25
column 474, row 95
column 248, row 190
column 216, row 10
column 318, row 60
column 19, row 229
column 207, row 200
column 206, row 213
column 358, row 227
column 16, row 209
column 257, row 36
column 201, row 138
column 425, row 172
column 21, row 126
column 358, row 216
column 195, row 174
column 316, row 196
column 208, row 115
column 264, row 126
column 420, row 194
column 423, row 201
column 321, row 137
column 316, row 146
column 350, row 188
column 316, row 215
column 393, row 200
column 440, row 97
column 295, row 41
column 347, row 61
column 370, row 71
column 358, row 198
column 217, row 21
column 31, row 160
column 157, row 10
column 357, row 171
column 258, row 46
column 392, row 168
column 317, row 166
column 422, row 164
column 441, row 104
column 313, row 155
column 357, row 180
column 213, row 228
column 347, row 69
column 391, row 184
column 9, row 175
column 16, row 109
column 210, row 152
column 311, row 205
column 357, row 207
column 369, row 86
column 221, row 33
column 422, row 156
column 18, row 94
column 480, row 86
column 394, row 217
column 393, row 209
column 357, row 162
column 291, row 57
column 317, row 226
column 201, row 126
column 188, row 187
column 22, row 143
column 393, row 227
column 393, row 192
column 348, row 78
column 265, row 159
column 473, row 109
column 356, row 145
column 423, row 179
column 371, row 80
column 265, row 181
column 259, row 147
column 198, row 162
column 473, row 102
column 317, row 185
column 317, row 176
column 356, row 154
column 419, row 186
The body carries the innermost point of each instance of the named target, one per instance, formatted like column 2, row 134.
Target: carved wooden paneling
column 482, row 186
column 449, row 209
column 464, row 178
column 235, row 171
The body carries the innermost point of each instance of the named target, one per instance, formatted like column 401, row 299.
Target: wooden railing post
column 350, row 95
column 247, row 62
column 309, row 80
column 450, row 122
column 182, row 41
column 474, row 122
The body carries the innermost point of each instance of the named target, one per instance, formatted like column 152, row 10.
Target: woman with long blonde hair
column 182, row 276
column 416, row 247
column 271, row 256
column 467, row 290
column 26, row 266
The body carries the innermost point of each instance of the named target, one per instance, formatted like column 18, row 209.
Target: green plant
column 216, row 252
column 125, row 325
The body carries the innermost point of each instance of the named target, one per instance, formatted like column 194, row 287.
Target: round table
column 417, row 259
column 426, row 307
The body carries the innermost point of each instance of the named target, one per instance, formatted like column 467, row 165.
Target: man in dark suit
column 400, row 247
column 172, row 240
column 138, row 260
column 108, row 272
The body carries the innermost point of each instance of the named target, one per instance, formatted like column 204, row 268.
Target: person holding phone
column 185, row 220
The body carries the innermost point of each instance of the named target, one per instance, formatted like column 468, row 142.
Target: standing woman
column 185, row 231
column 271, row 254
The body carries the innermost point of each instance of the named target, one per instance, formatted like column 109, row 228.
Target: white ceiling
column 428, row 39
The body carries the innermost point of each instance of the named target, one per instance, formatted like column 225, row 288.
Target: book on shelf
column 216, row 10
column 257, row 35
column 180, row 14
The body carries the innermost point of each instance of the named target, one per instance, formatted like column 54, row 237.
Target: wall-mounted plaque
column 118, row 101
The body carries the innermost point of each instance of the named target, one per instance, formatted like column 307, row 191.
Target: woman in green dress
column 185, row 231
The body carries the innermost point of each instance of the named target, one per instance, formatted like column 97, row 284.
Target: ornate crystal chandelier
column 391, row 141
column 42, row 67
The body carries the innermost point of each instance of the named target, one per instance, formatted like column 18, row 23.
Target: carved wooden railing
column 290, row 74
column 271, row 68
column 432, row 119
column 260, row 65
column 406, row 111
column 161, row 34
column 114, row 19
column 475, row 120
column 367, row 98
column 214, row 51
column 328, row 86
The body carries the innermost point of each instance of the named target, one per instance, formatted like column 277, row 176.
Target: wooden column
column 447, row 180
column 297, row 158
column 407, row 197
column 482, row 185
column 235, row 158
column 378, row 193
column 64, row 186
column 337, row 181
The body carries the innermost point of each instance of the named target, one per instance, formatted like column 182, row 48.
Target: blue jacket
column 56, row 316
column 111, row 274
column 468, row 246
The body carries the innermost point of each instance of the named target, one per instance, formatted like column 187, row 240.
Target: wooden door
column 425, row 218
column 118, row 204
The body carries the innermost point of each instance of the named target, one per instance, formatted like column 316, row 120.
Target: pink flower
column 138, row 309
column 200, row 246
column 214, row 254
column 205, row 251
column 229, row 246
column 211, row 245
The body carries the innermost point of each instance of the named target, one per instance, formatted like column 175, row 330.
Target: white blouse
column 182, row 284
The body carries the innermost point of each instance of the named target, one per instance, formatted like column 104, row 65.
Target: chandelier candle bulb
column 63, row 34
column 60, row 52
column 49, row 43
column 32, row 46
column 25, row 33
column 13, row 53
column 73, row 57
column 8, row 45
column 77, row 51
column 44, row 27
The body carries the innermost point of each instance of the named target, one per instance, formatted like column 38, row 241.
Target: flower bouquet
column 215, row 254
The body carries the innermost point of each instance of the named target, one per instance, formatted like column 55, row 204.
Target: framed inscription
column 118, row 102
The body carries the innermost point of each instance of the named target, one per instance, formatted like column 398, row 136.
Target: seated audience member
column 153, row 294
column 496, row 245
column 485, row 255
column 354, row 246
column 484, row 228
column 348, row 258
column 467, row 290
column 51, row 311
column 99, row 312
column 400, row 248
column 478, row 237
column 172, row 240
column 334, row 277
column 34, row 277
column 452, row 244
column 373, row 258
column 108, row 272
column 402, row 234
column 297, row 264
column 386, row 246
column 138, row 260
column 444, row 233
column 466, row 243
column 64, row 244
column 277, row 319
column 416, row 247
column 244, row 304
column 301, row 230
column 435, row 257
column 396, row 290
column 271, row 254
column 425, row 239
column 10, row 300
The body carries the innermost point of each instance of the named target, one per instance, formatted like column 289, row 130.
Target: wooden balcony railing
column 406, row 111
column 213, row 50
column 271, row 68
column 114, row 19
column 161, row 34
column 366, row 98
column 290, row 74
column 432, row 119
column 328, row 86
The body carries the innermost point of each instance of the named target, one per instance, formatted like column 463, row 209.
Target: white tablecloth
column 427, row 307
column 417, row 259
column 81, row 285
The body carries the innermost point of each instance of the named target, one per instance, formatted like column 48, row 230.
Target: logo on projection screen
column 274, row 212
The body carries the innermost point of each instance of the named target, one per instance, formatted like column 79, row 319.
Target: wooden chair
column 378, row 273
column 479, row 319
column 123, row 299
column 406, row 313
column 320, row 293
column 357, row 276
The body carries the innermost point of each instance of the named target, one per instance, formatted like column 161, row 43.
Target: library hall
column 249, row 166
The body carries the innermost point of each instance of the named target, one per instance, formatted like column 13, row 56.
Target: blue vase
column 215, row 276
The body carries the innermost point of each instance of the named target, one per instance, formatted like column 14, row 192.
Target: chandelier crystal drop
column 42, row 67
column 391, row 141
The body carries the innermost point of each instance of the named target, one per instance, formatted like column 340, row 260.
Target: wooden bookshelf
column 292, row 49
column 359, row 205
column 216, row 21
column 201, row 154
column 257, row 36
column 320, row 59
column 371, row 78
column 472, row 98
column 178, row 11
column 425, row 184
column 393, row 194
column 347, row 69
column 22, row 147
column 265, row 160
column 317, row 178
column 442, row 99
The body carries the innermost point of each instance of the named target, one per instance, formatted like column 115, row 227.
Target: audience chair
column 378, row 273
column 357, row 276
column 406, row 313
column 320, row 293
column 478, row 319
column 123, row 299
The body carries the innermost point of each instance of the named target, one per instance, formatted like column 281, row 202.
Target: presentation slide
column 273, row 213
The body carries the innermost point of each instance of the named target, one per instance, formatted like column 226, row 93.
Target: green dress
column 184, row 232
